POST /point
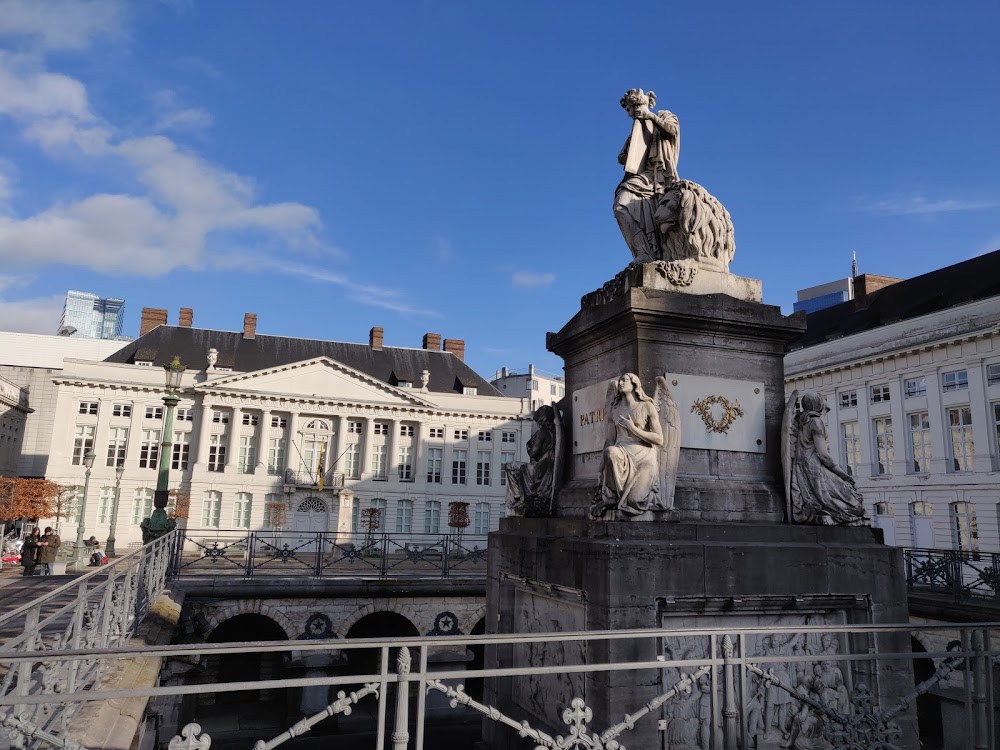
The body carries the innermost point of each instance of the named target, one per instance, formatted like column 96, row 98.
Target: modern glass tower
column 88, row 316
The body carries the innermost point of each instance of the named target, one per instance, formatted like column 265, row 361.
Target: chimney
column 186, row 318
column 432, row 341
column 375, row 338
column 866, row 285
column 456, row 347
column 151, row 318
column 250, row 325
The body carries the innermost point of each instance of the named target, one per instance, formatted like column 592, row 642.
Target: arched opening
column 477, row 660
column 377, row 625
column 247, row 667
column 929, row 723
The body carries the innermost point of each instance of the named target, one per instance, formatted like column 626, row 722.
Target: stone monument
column 713, row 503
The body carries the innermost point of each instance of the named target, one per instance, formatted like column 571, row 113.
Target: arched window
column 211, row 508
column 311, row 504
column 965, row 527
column 404, row 516
column 432, row 517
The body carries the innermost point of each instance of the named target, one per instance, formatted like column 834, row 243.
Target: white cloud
column 199, row 65
column 529, row 279
column 172, row 114
column 35, row 315
column 61, row 24
column 919, row 205
column 27, row 92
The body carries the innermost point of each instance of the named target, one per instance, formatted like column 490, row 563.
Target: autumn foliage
column 458, row 514
column 27, row 498
column 179, row 505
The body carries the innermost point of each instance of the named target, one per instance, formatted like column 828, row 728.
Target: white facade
column 246, row 445
column 14, row 411
column 538, row 388
column 915, row 415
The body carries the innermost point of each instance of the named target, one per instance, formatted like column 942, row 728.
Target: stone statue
column 532, row 487
column 425, row 378
column 638, row 471
column 212, row 358
column 817, row 490
column 663, row 218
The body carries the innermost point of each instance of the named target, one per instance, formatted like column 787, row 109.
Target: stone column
column 233, row 439
column 392, row 440
column 366, row 450
column 418, row 452
column 900, row 430
column 982, row 420
column 204, row 432
column 340, row 445
column 939, row 424
column 292, row 459
column 264, row 430
column 866, row 466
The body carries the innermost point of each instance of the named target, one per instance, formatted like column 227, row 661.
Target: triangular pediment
column 320, row 379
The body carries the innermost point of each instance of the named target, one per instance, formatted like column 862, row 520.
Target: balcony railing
column 800, row 687
column 306, row 478
column 212, row 552
column 958, row 575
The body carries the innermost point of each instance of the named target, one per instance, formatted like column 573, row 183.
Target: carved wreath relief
column 731, row 411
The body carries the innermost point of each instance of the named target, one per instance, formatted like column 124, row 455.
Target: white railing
column 815, row 687
column 93, row 614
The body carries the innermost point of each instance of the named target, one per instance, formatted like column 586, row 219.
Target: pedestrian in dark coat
column 48, row 547
column 29, row 552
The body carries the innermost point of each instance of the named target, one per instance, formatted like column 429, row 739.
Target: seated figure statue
column 818, row 491
column 531, row 487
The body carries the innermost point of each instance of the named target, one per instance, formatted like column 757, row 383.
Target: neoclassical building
column 277, row 432
column 911, row 373
column 14, row 411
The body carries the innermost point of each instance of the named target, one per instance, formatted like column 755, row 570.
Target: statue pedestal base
column 569, row 575
column 681, row 277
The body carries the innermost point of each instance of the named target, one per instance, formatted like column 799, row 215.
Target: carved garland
column 731, row 411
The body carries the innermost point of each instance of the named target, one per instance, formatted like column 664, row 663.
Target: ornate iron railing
column 328, row 554
column 800, row 687
column 960, row 575
column 96, row 614
column 306, row 478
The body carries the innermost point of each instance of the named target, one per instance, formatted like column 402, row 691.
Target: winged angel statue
column 638, row 471
column 817, row 490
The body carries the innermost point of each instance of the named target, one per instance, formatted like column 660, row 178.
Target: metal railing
column 96, row 613
column 960, row 575
column 327, row 554
column 305, row 478
column 799, row 686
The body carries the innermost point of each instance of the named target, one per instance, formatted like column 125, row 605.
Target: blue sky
column 449, row 166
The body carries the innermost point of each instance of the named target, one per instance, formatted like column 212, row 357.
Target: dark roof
column 241, row 354
column 971, row 280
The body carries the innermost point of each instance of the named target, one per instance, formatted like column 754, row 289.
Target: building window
column 220, row 417
column 216, row 453
column 181, row 450
column 505, row 458
column 406, row 430
column 380, row 462
column 879, row 393
column 241, row 510
column 461, row 434
column 562, row 391
column 436, row 432
column 88, row 407
column 850, row 445
column 955, row 381
column 481, row 519
column 915, row 387
column 884, row 448
column 458, row 462
column 117, row 442
column 275, row 456
column 965, row 528
column 352, row 461
column 356, row 515
column 381, row 428
column 121, row 410
column 508, row 437
column 848, row 399
column 434, row 457
column 149, row 451
column 143, row 363
column 485, row 436
column 960, row 438
column 469, row 390
column 552, row 389
column 154, row 412
column 432, row 517
column 404, row 384
column 281, row 422
column 379, row 504
column 105, row 504
column 993, row 374
column 920, row 442
column 405, row 463
column 404, row 516
column 251, row 420
column 211, row 508
column 532, row 385
column 248, row 454
column 83, row 441
column 353, row 427
column 996, row 421
column 184, row 415
column 142, row 505
column 483, row 460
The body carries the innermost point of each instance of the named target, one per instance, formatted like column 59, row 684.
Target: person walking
column 48, row 547
column 29, row 552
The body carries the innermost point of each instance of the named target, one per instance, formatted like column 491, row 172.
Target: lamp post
column 110, row 546
column 158, row 524
column 88, row 461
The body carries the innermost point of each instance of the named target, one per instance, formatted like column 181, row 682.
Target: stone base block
column 681, row 277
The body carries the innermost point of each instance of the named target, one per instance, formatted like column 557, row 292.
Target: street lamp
column 88, row 461
column 110, row 546
column 158, row 524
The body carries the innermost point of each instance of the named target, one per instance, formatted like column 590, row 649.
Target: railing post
column 318, row 568
column 446, row 551
column 730, row 716
column 956, row 573
column 400, row 732
column 251, row 541
column 384, row 556
column 980, row 710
